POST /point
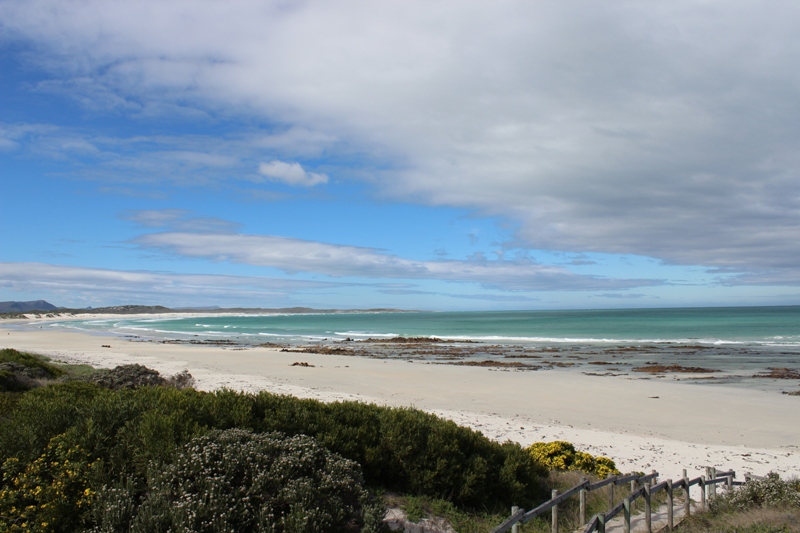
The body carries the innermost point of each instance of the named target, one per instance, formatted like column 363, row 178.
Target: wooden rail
column 641, row 487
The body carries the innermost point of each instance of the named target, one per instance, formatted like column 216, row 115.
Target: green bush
column 42, row 414
column 10, row 355
column 21, row 371
column 408, row 450
column 235, row 480
column 401, row 450
column 16, row 378
column 8, row 402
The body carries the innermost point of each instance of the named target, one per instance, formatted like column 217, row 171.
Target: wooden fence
column 641, row 487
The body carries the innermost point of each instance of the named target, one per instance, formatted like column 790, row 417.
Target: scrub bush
column 20, row 371
column 8, row 401
column 235, row 480
column 410, row 451
column 133, row 376
column 42, row 414
column 399, row 450
column 10, row 355
column 771, row 491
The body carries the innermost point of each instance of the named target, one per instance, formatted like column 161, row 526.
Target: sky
column 436, row 155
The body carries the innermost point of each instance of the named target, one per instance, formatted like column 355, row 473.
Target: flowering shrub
column 50, row 494
column 561, row 455
column 771, row 491
column 236, row 480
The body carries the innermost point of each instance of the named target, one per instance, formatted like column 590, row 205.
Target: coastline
column 642, row 424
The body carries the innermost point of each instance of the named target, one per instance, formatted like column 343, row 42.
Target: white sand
column 643, row 424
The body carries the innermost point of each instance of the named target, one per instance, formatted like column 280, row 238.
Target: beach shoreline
column 643, row 424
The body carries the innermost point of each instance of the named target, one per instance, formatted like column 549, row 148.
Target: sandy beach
column 643, row 424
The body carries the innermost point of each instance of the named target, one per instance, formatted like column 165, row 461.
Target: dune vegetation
column 114, row 450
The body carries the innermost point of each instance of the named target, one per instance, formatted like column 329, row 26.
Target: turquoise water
column 743, row 326
column 737, row 343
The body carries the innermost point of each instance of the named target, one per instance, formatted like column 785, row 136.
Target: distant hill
column 10, row 309
column 24, row 307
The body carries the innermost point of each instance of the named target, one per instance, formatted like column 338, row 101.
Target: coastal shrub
column 21, row 371
column 236, row 480
column 42, row 414
column 434, row 457
column 127, row 429
column 408, row 450
column 772, row 491
column 8, row 402
column 31, row 361
column 769, row 505
column 562, row 455
column 135, row 375
column 402, row 450
column 181, row 380
column 50, row 494
column 16, row 378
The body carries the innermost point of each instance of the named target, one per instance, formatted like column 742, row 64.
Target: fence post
column 714, row 486
column 708, row 476
column 554, row 513
column 703, row 490
column 515, row 527
column 610, row 495
column 729, row 482
column 687, row 499
column 647, row 508
column 626, row 511
column 583, row 502
column 601, row 523
column 670, row 503
column 634, row 484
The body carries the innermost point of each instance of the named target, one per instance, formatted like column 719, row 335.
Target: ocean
column 750, row 326
column 736, row 343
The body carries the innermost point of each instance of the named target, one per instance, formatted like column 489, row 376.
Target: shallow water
column 738, row 343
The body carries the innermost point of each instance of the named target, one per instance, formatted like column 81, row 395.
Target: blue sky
column 435, row 155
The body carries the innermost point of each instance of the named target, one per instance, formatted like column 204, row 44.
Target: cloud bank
column 296, row 255
column 666, row 129
column 91, row 285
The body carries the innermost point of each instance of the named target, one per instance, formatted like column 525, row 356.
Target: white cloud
column 295, row 255
column 664, row 129
column 291, row 174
